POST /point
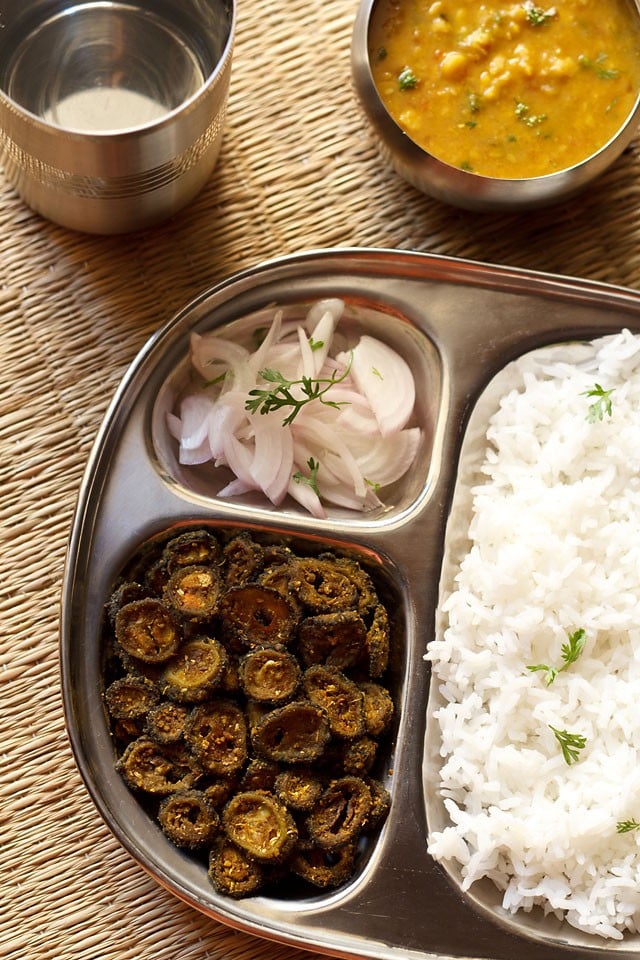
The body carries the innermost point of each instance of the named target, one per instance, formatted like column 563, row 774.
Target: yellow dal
column 507, row 90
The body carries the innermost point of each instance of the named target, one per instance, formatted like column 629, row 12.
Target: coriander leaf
column 281, row 396
column 316, row 344
column 530, row 119
column 572, row 650
column 312, row 479
column 626, row 826
column 601, row 402
column 597, row 65
column 550, row 671
column 407, row 79
column 537, row 16
column 570, row 743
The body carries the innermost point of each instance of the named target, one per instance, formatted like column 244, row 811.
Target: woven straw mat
column 298, row 170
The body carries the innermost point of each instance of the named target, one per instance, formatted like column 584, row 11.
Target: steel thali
column 458, row 323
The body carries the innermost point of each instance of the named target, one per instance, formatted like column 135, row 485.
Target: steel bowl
column 460, row 187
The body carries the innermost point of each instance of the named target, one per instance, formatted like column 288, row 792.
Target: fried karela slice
column 298, row 732
column 378, row 708
column 336, row 639
column 217, row 734
column 199, row 547
column 193, row 591
column 188, row 819
column 299, row 789
column 194, row 672
column 321, row 587
column 270, row 675
column 147, row 630
column 254, row 615
column 340, row 814
column 131, row 697
column 158, row 769
column 232, row 872
column 324, row 869
column 165, row 722
column 342, row 699
column 261, row 825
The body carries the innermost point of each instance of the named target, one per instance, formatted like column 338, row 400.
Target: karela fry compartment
column 258, row 743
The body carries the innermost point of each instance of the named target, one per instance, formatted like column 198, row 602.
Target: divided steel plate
column 458, row 323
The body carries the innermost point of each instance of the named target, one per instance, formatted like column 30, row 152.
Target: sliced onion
column 329, row 441
column 307, row 362
column 385, row 378
column 273, row 457
column 195, row 410
column 306, row 496
column 388, row 458
column 356, row 434
column 235, row 488
column 207, row 353
column 323, row 318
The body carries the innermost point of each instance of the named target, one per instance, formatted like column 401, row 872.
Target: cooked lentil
column 507, row 90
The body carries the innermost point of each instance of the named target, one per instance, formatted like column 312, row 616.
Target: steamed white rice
column 553, row 546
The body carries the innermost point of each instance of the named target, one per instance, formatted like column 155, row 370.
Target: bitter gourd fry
column 271, row 692
column 130, row 697
column 378, row 708
column 253, row 615
column 188, row 819
column 380, row 804
column 127, row 592
column 269, row 675
column 218, row 791
column 359, row 756
column 336, row 639
column 165, row 722
column 232, row 872
column 199, row 547
column 260, row 775
column 147, row 630
column 217, row 734
column 366, row 594
column 339, row 696
column 378, row 642
column 194, row 672
column 258, row 823
column 321, row 587
column 340, row 814
column 298, row 789
column 243, row 559
column 158, row 769
column 298, row 732
column 324, row 869
column 193, row 592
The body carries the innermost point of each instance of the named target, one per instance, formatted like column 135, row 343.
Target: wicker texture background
column 298, row 170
